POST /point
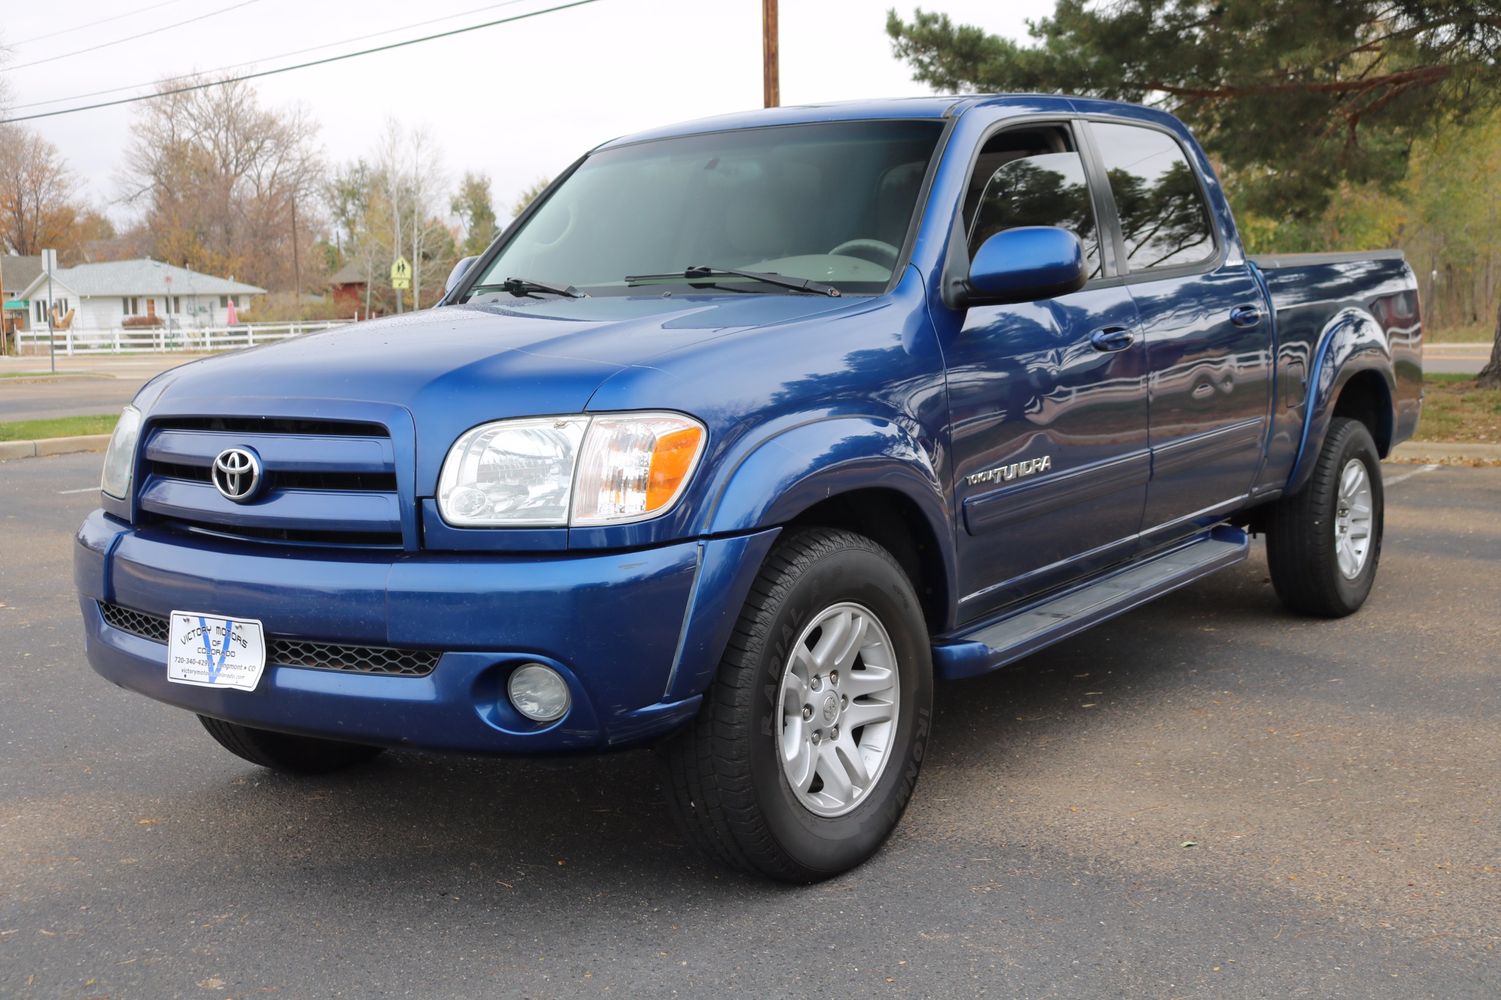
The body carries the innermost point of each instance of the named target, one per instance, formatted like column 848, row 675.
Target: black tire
column 1301, row 529
column 286, row 753
column 723, row 774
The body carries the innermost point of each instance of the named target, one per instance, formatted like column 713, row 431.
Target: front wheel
column 810, row 739
column 284, row 752
column 1323, row 543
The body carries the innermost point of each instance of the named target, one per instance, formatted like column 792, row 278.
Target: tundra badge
column 1016, row 470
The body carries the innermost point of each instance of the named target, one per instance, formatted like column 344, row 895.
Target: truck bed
column 1341, row 303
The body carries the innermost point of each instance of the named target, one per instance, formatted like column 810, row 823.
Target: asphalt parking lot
column 84, row 385
column 43, row 400
column 1206, row 798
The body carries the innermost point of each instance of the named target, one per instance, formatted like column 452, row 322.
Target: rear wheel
column 283, row 752
column 809, row 742
column 1323, row 543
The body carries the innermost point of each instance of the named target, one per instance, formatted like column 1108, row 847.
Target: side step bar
column 995, row 643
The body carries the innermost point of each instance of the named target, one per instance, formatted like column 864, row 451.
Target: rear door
column 1048, row 421
column 1203, row 317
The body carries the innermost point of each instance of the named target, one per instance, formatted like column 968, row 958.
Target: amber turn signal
column 634, row 466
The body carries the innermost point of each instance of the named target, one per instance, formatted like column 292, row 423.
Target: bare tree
column 409, row 176
column 356, row 210
column 38, row 203
column 4, row 83
column 225, row 185
column 432, row 242
column 392, row 187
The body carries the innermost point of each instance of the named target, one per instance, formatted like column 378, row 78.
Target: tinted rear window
column 1163, row 216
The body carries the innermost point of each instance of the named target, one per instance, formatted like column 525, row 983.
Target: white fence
column 209, row 338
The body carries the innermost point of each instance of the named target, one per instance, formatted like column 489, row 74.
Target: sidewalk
column 136, row 366
column 82, row 386
column 1455, row 359
column 1439, row 451
column 52, row 446
column 1468, row 352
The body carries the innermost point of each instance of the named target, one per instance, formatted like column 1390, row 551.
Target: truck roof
column 935, row 107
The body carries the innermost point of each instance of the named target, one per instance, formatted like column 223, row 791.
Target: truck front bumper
column 636, row 634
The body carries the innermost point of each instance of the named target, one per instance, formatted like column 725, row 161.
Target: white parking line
column 1414, row 472
column 86, row 489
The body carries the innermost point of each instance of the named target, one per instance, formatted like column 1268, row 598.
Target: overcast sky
column 516, row 101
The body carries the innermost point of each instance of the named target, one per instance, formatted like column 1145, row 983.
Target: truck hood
column 457, row 366
column 535, row 357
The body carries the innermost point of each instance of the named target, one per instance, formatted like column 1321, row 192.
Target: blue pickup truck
column 741, row 436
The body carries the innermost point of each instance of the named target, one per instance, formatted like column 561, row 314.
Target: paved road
column 1456, row 359
column 1454, row 366
column 1339, row 781
column 96, row 384
column 41, row 400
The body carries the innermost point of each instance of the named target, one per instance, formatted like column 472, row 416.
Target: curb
column 1409, row 451
column 1449, row 351
column 52, row 446
column 39, row 378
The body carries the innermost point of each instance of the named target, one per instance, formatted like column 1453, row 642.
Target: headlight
column 119, row 457
column 556, row 471
column 514, row 472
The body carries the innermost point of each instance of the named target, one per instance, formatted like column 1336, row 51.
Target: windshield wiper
column 520, row 287
column 709, row 271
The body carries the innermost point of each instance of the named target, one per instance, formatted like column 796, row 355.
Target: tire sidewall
column 1356, row 445
column 824, row 845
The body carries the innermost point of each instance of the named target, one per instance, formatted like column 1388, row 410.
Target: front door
column 1048, row 419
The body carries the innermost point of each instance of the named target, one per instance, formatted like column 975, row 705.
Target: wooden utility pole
column 296, row 262
column 5, row 318
column 771, row 86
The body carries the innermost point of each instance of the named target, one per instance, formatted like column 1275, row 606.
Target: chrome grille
column 295, row 652
column 326, row 482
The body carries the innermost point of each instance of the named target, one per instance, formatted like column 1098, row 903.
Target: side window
column 1032, row 178
column 1163, row 217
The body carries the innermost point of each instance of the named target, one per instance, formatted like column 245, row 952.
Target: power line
column 131, row 38
column 252, row 62
column 93, row 24
column 287, row 69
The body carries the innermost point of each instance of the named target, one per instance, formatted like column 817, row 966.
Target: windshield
column 829, row 202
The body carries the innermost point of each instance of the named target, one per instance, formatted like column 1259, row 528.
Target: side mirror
column 458, row 272
column 1025, row 264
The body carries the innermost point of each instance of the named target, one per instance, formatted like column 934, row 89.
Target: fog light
column 538, row 692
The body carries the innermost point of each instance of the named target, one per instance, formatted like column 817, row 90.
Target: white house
column 104, row 295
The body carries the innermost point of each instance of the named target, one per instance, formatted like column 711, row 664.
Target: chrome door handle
column 1111, row 339
column 1245, row 315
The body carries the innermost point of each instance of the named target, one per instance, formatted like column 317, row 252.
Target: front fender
column 1352, row 342
column 796, row 467
column 770, row 481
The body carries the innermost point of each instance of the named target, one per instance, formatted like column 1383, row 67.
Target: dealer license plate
column 215, row 652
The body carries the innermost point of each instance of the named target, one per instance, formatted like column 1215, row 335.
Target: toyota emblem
column 237, row 474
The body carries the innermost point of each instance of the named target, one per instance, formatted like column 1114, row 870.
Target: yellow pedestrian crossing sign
column 401, row 274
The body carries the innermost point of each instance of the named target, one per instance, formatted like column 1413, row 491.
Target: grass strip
column 1455, row 410
column 55, row 427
